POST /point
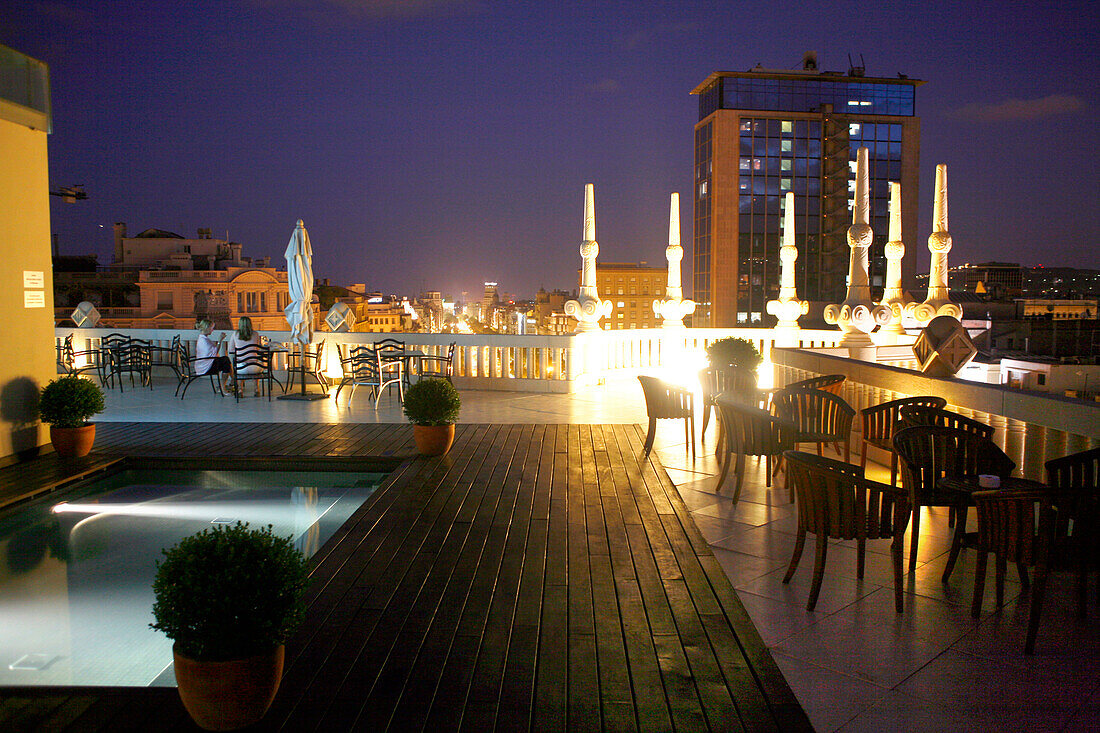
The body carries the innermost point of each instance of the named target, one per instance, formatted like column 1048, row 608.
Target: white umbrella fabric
column 299, row 273
column 299, row 313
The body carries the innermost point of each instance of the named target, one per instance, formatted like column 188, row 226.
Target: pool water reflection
column 76, row 569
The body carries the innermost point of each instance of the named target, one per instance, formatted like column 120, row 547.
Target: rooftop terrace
column 853, row 664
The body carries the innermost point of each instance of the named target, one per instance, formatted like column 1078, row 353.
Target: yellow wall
column 27, row 358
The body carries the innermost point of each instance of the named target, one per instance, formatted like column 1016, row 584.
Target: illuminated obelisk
column 673, row 308
column 788, row 308
column 893, row 297
column 588, row 309
column 937, row 302
column 857, row 316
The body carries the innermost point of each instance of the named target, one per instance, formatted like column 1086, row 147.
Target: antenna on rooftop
column 809, row 61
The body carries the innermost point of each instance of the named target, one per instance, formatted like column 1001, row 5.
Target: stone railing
column 519, row 363
column 1032, row 427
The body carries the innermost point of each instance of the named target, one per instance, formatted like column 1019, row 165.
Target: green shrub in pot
column 432, row 405
column 229, row 597
column 229, row 592
column 734, row 351
column 432, row 402
column 70, row 402
column 67, row 404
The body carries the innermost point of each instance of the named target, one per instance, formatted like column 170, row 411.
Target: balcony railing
column 1032, row 427
column 522, row 363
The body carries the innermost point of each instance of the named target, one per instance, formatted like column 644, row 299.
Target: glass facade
column 776, row 156
column 846, row 95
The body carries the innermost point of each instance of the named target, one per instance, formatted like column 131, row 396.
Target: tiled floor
column 854, row 663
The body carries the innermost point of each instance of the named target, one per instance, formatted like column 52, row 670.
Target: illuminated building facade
column 631, row 288
column 762, row 133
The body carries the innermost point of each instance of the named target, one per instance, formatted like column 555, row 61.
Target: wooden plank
column 537, row 576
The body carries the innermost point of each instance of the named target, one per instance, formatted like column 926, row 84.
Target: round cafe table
column 965, row 487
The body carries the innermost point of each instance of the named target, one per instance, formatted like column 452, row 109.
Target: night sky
column 436, row 144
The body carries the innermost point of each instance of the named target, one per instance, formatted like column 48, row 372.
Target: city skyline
column 435, row 145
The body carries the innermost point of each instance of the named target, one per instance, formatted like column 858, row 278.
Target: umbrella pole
column 303, row 395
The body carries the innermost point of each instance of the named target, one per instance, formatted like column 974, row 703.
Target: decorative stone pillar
column 588, row 309
column 673, row 308
column 788, row 308
column 857, row 316
column 937, row 303
column 893, row 297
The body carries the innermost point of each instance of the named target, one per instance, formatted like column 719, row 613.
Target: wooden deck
column 538, row 577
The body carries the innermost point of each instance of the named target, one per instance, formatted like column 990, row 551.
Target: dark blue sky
column 435, row 144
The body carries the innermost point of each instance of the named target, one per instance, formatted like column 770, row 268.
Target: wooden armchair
column 821, row 417
column 667, row 401
column 754, row 432
column 928, row 453
column 1063, row 537
column 740, row 384
column 880, row 422
column 1079, row 473
column 835, row 501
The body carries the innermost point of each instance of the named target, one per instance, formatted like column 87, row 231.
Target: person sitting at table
column 245, row 336
column 207, row 360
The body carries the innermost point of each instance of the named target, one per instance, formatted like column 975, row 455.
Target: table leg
column 956, row 542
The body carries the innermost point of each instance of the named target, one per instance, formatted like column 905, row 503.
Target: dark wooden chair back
column 831, row 383
column 821, row 417
column 1075, row 472
column 880, row 422
column 667, row 401
column 913, row 415
column 750, row 431
column 1052, row 529
column 930, row 452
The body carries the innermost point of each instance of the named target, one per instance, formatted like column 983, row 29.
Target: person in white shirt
column 207, row 360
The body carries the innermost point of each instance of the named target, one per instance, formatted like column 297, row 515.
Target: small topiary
column 229, row 592
column 733, row 351
column 432, row 402
column 70, row 401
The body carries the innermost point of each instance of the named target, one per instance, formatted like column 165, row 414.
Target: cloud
column 1022, row 109
column 603, row 86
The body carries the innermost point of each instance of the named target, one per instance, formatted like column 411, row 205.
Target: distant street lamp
column 70, row 194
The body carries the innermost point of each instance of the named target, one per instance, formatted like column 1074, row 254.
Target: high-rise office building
column 764, row 132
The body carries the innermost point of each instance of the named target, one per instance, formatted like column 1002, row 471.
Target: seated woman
column 245, row 336
column 207, row 360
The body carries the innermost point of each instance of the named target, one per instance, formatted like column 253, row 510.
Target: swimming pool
column 76, row 567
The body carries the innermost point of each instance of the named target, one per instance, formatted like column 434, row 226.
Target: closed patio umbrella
column 299, row 313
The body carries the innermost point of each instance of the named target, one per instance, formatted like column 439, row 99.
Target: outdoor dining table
column 965, row 487
column 291, row 348
column 406, row 356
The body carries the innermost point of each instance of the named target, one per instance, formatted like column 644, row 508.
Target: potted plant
column 229, row 597
column 67, row 403
column 733, row 351
column 432, row 406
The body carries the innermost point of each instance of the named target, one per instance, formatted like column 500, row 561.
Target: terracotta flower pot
column 73, row 442
column 228, row 695
column 433, row 440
